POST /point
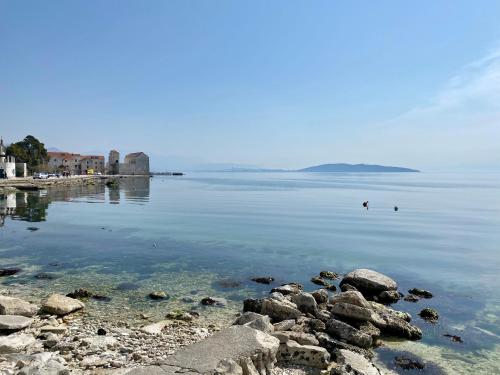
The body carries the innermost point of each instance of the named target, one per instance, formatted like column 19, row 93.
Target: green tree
column 30, row 151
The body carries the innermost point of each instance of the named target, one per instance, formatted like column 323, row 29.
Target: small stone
column 411, row 298
column 212, row 301
column 101, row 332
column 158, row 295
column 329, row 275
column 59, row 329
column 454, row 338
column 420, row 293
column 407, row 363
column 263, row 280
column 80, row 294
column 429, row 314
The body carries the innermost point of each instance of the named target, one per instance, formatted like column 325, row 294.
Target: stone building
column 75, row 164
column 114, row 162
column 8, row 166
column 136, row 163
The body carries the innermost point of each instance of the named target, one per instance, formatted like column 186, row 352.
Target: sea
column 209, row 234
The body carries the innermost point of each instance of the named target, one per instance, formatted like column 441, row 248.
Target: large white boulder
column 58, row 304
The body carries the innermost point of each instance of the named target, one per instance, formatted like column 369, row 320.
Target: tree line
column 30, row 151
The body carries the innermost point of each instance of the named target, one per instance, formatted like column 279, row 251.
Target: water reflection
column 32, row 206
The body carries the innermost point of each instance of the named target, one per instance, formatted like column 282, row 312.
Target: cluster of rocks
column 52, row 338
column 332, row 333
column 335, row 332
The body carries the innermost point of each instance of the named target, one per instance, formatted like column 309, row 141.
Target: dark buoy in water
column 396, row 208
column 365, row 204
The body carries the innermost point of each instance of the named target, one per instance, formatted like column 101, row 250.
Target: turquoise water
column 190, row 235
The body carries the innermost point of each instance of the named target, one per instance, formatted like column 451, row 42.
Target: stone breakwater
column 331, row 333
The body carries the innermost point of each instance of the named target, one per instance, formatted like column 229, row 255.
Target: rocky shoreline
column 321, row 331
column 30, row 184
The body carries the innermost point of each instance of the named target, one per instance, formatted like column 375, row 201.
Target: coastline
column 322, row 331
column 28, row 183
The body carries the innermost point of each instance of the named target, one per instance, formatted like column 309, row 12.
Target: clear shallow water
column 184, row 235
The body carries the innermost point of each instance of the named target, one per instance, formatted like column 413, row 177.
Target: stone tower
column 114, row 162
column 2, row 151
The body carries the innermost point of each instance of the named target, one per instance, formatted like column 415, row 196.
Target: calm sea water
column 208, row 234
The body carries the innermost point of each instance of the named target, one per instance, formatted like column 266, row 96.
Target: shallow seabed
column 207, row 234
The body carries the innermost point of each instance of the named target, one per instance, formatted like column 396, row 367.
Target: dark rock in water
column 187, row 300
column 319, row 281
column 185, row 316
column 47, row 276
column 407, row 363
column 211, row 301
column 411, row 298
column 329, row 275
column 32, row 229
column 158, row 295
column 101, row 298
column 228, row 283
column 454, row 338
column 253, row 305
column 389, row 296
column 348, row 288
column 9, row 271
column 331, row 287
column 80, row 294
column 429, row 314
column 420, row 293
column 101, row 332
column 127, row 286
column 263, row 280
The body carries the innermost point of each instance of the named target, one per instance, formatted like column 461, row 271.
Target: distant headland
column 337, row 167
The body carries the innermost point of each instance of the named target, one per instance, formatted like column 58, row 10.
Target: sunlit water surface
column 207, row 234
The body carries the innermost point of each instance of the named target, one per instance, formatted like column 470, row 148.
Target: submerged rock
column 47, row 276
column 58, row 304
column 347, row 288
column 263, row 280
column 369, row 282
column 319, row 281
column 127, row 286
column 421, row 293
column 9, row 271
column 16, row 306
column 429, row 314
column 228, row 283
column 411, row 298
column 158, row 295
column 80, row 294
column 454, row 338
column 329, row 275
column 407, row 363
column 212, row 301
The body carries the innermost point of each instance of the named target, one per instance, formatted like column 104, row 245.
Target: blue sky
column 270, row 83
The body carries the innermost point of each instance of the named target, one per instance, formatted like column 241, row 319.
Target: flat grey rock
column 15, row 343
column 58, row 304
column 14, row 322
column 16, row 306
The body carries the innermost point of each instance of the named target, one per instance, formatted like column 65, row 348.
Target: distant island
column 337, row 167
column 342, row 167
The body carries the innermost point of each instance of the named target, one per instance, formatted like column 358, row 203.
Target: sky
column 278, row 84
